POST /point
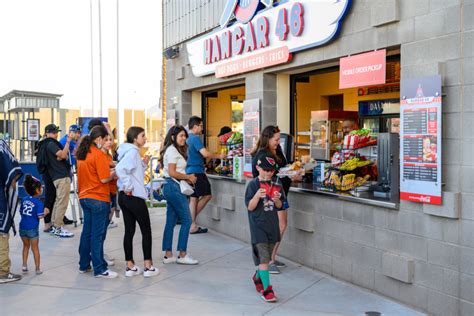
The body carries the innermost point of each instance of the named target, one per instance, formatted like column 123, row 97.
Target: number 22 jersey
column 31, row 208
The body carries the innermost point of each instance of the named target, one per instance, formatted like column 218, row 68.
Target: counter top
column 228, row 178
column 363, row 197
column 309, row 188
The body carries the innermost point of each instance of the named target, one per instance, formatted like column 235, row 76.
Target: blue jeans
column 177, row 206
column 91, row 247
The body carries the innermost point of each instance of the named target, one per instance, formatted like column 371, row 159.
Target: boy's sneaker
column 88, row 269
column 169, row 259
column 112, row 224
column 10, row 277
column 273, row 269
column 268, row 295
column 187, row 260
column 62, row 232
column 133, row 271
column 152, row 271
column 258, row 283
column 279, row 264
column 107, row 274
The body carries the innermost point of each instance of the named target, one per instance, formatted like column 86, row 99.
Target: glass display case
column 326, row 134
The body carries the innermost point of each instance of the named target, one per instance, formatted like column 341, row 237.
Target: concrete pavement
column 220, row 284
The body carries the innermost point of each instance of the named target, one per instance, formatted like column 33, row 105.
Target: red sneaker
column 268, row 295
column 258, row 283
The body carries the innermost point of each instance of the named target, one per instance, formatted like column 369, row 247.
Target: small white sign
column 33, row 129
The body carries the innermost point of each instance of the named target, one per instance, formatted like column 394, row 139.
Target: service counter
column 310, row 189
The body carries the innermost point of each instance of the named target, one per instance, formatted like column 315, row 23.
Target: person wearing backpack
column 52, row 159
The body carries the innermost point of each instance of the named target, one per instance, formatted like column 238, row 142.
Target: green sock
column 257, row 275
column 265, row 276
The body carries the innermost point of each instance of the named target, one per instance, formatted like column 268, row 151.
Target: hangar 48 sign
column 264, row 34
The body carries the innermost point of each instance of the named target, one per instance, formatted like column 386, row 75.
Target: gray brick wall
column 350, row 240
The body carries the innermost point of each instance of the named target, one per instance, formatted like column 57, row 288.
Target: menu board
column 420, row 140
column 251, row 132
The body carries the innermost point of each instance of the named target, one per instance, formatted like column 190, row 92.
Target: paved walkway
column 220, row 284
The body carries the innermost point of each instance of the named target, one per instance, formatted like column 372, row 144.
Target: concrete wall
column 421, row 255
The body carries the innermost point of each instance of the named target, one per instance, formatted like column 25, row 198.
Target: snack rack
column 340, row 179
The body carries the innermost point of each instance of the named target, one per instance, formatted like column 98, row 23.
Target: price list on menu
column 420, row 140
column 415, row 121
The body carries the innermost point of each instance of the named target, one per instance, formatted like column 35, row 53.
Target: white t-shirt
column 172, row 155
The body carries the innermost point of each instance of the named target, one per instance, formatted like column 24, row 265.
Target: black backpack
column 41, row 157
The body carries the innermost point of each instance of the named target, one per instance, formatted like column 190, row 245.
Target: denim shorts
column 29, row 233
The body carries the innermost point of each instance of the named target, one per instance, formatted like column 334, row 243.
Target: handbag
column 185, row 187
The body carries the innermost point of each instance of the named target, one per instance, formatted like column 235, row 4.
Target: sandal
column 200, row 230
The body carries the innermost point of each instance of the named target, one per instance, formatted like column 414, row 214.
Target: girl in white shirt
column 173, row 159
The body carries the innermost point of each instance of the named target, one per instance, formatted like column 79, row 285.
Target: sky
column 46, row 47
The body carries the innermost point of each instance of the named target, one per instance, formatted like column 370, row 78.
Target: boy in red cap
column 263, row 198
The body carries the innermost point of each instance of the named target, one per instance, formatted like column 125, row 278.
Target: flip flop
column 200, row 230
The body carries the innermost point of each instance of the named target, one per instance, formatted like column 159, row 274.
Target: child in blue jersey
column 32, row 209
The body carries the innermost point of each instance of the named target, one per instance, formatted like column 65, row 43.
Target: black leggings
column 49, row 196
column 135, row 210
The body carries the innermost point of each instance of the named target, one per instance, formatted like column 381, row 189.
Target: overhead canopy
column 17, row 100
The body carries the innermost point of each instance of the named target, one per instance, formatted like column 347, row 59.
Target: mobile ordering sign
column 420, row 140
column 264, row 34
column 363, row 70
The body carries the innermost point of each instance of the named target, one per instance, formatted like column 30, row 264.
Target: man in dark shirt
column 59, row 171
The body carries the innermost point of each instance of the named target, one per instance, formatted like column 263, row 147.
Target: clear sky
column 46, row 47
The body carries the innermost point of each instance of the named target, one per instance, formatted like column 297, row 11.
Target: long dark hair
column 170, row 139
column 267, row 133
column 88, row 140
column 133, row 132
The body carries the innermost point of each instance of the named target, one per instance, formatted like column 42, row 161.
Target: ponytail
column 86, row 141
column 83, row 147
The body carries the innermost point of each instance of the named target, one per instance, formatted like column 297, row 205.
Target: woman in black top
column 269, row 142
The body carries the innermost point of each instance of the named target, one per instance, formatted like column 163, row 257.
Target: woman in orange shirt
column 93, row 175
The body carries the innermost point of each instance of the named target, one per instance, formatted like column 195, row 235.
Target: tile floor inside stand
column 220, row 284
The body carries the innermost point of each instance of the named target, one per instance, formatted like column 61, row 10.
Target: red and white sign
column 420, row 140
column 291, row 25
column 362, row 70
column 262, row 60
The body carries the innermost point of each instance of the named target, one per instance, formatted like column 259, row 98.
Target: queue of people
column 186, row 190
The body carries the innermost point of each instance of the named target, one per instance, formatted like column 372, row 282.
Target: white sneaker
column 133, row 272
column 186, row 260
column 169, row 260
column 112, row 224
column 147, row 273
column 107, row 274
column 63, row 232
